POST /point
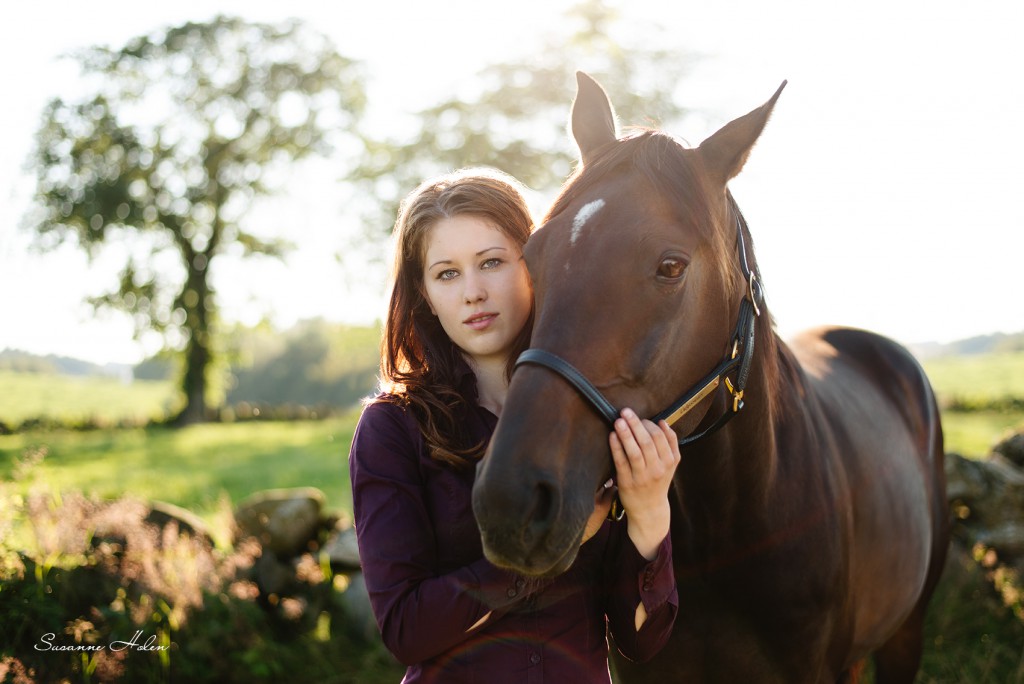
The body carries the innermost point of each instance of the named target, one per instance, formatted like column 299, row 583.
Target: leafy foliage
column 158, row 163
column 513, row 115
column 313, row 363
column 98, row 593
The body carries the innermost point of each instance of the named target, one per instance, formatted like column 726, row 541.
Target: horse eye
column 671, row 268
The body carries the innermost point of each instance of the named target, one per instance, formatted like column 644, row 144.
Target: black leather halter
column 738, row 361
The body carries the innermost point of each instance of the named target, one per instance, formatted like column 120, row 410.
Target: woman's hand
column 645, row 456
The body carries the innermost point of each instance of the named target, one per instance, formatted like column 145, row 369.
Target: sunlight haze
column 884, row 193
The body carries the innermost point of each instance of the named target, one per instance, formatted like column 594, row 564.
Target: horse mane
column 661, row 160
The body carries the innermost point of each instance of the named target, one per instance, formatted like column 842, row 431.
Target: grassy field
column 981, row 376
column 77, row 398
column 196, row 467
column 974, row 434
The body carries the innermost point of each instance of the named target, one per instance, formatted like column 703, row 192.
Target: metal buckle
column 616, row 512
column 750, row 293
column 737, row 397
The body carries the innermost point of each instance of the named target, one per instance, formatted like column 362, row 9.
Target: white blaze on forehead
column 582, row 216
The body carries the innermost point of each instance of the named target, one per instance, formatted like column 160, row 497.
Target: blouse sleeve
column 636, row 580
column 420, row 614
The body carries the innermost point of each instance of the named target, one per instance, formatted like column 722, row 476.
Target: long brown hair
column 420, row 364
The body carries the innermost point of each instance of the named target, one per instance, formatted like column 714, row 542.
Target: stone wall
column 986, row 498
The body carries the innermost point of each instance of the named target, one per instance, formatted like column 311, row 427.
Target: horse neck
column 726, row 478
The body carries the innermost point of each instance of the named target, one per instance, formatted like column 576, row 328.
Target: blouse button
column 511, row 593
column 534, row 658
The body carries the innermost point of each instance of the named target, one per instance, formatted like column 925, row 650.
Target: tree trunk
column 196, row 299
column 197, row 357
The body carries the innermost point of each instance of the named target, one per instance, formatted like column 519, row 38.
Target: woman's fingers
column 625, row 429
column 645, row 457
column 672, row 439
column 641, row 435
column 644, row 449
column 622, row 468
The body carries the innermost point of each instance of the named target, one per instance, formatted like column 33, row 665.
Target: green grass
column 980, row 376
column 970, row 636
column 74, row 398
column 974, row 434
column 194, row 467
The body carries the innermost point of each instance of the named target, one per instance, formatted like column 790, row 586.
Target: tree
column 315, row 363
column 516, row 118
column 179, row 132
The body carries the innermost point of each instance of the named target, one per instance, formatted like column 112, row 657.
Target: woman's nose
column 474, row 291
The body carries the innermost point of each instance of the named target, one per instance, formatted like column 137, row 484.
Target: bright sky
column 885, row 193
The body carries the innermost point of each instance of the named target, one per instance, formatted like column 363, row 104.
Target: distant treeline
column 24, row 362
column 996, row 343
column 314, row 363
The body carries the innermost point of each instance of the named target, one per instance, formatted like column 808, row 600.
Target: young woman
column 461, row 310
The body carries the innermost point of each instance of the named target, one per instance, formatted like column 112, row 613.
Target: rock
column 966, row 478
column 272, row 576
column 987, row 496
column 993, row 487
column 283, row 520
column 162, row 514
column 1007, row 538
column 342, row 550
column 355, row 603
column 1012, row 449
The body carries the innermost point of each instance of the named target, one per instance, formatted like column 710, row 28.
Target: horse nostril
column 542, row 513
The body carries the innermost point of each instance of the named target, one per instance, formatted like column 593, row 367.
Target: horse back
column 872, row 403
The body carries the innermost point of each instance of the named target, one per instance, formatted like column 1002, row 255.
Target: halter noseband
column 739, row 361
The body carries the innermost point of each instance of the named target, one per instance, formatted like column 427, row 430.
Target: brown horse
column 810, row 530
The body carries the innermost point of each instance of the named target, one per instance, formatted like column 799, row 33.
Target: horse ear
column 593, row 120
column 725, row 152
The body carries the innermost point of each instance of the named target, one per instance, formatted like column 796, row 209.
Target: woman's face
column 476, row 283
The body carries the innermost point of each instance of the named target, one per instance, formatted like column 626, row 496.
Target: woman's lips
column 480, row 321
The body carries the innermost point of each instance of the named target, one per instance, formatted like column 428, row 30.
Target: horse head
column 637, row 279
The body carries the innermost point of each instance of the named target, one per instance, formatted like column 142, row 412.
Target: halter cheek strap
column 738, row 361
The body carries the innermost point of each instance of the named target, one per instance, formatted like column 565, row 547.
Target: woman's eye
column 447, row 274
column 671, row 268
column 491, row 263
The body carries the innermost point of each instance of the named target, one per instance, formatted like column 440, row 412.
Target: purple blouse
column 429, row 583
